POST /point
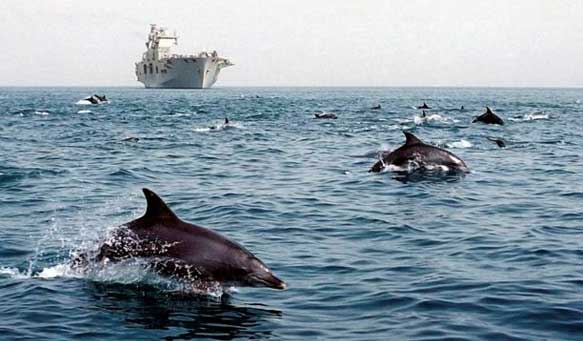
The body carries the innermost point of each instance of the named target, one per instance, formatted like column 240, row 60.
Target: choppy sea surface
column 493, row 255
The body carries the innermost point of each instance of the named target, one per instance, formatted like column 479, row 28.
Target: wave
column 219, row 127
column 86, row 102
column 130, row 272
column 23, row 112
column 538, row 115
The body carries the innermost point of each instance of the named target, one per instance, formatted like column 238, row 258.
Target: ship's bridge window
column 156, row 68
column 151, row 69
column 145, row 69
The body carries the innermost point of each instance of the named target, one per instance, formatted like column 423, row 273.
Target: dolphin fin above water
column 184, row 251
column 489, row 118
column 411, row 139
column 156, row 208
column 424, row 156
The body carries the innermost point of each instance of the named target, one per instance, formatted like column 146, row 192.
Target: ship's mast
column 159, row 43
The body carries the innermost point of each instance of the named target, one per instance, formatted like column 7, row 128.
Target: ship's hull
column 180, row 73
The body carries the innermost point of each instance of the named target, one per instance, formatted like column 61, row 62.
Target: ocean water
column 495, row 254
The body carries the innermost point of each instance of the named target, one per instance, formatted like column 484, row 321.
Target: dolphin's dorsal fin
column 488, row 111
column 157, row 208
column 411, row 139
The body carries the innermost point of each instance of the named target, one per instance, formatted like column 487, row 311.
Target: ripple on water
column 492, row 254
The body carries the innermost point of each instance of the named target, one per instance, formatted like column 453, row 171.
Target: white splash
column 13, row 273
column 419, row 120
column 59, row 270
column 441, row 168
column 182, row 114
column 459, row 144
column 129, row 272
column 84, row 112
column 219, row 127
column 395, row 168
column 41, row 113
column 538, row 115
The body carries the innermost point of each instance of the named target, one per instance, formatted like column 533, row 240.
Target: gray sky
column 301, row 42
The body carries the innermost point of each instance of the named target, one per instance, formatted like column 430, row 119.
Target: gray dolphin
column 414, row 150
column 499, row 142
column 185, row 251
column 489, row 118
column 326, row 115
column 92, row 99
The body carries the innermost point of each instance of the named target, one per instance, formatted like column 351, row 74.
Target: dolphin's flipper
column 157, row 208
column 411, row 139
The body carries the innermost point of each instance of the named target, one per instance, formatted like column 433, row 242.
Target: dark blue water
column 495, row 254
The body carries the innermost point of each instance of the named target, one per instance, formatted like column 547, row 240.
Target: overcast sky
column 301, row 42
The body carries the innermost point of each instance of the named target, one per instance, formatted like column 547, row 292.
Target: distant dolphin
column 499, row 142
column 489, row 118
column 184, row 251
column 92, row 100
column 424, row 106
column 326, row 115
column 225, row 125
column 424, row 155
column 96, row 99
column 376, row 107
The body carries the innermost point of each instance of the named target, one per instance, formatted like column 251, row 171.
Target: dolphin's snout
column 281, row 285
column 277, row 283
column 269, row 280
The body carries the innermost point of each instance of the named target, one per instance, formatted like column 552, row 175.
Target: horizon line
column 313, row 86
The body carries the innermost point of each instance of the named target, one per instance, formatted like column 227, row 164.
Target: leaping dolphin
column 489, row 118
column 424, row 155
column 185, row 251
column 96, row 99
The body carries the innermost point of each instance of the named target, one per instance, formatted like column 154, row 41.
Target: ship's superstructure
column 160, row 68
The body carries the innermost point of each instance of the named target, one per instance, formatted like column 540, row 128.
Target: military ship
column 160, row 68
